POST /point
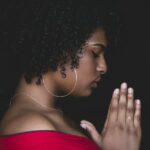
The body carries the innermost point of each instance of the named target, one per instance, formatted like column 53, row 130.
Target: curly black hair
column 46, row 34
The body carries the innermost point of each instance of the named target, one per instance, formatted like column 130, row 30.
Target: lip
column 97, row 80
column 94, row 84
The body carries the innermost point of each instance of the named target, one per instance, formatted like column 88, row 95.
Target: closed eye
column 95, row 54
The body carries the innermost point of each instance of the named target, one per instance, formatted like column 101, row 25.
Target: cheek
column 87, row 67
column 86, row 72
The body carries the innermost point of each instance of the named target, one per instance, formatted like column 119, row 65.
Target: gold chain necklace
column 34, row 100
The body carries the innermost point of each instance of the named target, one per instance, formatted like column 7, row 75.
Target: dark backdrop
column 127, row 61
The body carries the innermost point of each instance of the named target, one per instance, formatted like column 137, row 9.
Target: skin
column 95, row 67
column 45, row 116
column 122, row 128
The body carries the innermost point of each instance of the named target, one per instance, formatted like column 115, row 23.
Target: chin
column 87, row 94
column 83, row 93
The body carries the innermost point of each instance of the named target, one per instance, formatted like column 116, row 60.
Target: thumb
column 91, row 129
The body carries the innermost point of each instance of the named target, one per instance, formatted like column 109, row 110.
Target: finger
column 88, row 123
column 113, row 110
column 92, row 131
column 130, row 107
column 108, row 114
column 122, row 104
column 106, row 121
column 137, row 115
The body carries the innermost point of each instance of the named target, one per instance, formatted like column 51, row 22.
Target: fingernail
column 130, row 90
column 138, row 102
column 82, row 121
column 116, row 91
column 83, row 126
column 124, row 85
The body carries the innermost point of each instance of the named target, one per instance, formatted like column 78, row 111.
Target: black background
column 127, row 62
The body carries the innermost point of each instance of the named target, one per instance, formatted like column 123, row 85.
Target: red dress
column 46, row 140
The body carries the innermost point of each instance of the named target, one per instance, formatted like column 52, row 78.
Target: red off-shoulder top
column 46, row 140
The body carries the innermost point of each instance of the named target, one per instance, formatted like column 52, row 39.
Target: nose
column 102, row 65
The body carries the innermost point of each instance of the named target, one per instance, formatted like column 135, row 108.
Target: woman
column 62, row 49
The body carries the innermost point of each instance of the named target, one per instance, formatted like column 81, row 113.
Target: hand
column 122, row 129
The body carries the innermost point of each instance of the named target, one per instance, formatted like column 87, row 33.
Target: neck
column 37, row 92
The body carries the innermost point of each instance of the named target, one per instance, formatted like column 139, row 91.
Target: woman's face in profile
column 91, row 65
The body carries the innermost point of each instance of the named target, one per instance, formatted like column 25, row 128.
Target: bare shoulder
column 27, row 121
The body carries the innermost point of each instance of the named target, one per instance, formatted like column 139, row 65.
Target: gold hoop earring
column 61, row 96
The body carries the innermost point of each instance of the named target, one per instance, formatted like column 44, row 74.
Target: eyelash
column 95, row 55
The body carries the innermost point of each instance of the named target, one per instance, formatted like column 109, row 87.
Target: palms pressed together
column 122, row 129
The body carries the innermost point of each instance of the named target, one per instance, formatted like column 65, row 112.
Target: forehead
column 98, row 37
